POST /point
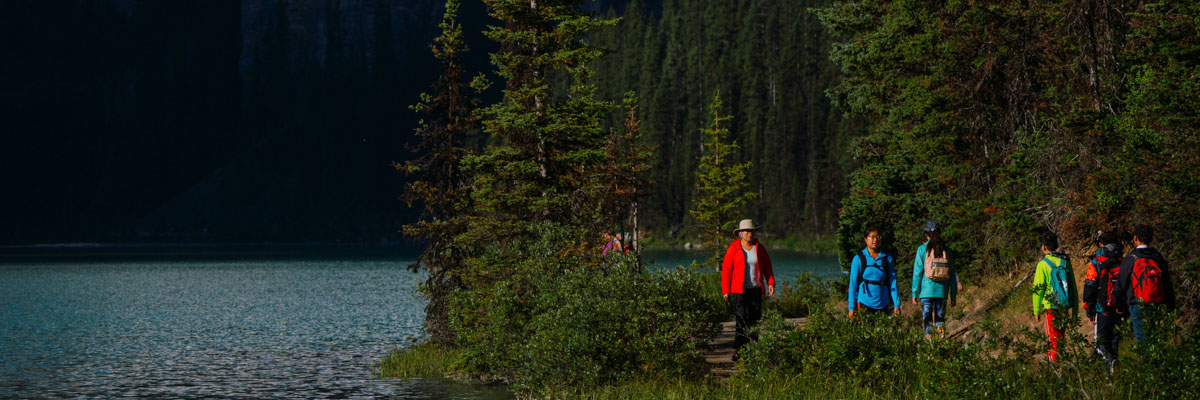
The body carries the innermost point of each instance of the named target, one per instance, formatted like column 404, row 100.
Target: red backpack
column 1108, row 269
column 1146, row 274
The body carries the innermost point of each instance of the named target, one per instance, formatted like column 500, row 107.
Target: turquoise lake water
column 217, row 323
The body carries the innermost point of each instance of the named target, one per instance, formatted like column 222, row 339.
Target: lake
column 244, row 322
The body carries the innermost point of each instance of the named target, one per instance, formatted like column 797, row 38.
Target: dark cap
column 1143, row 232
column 931, row 226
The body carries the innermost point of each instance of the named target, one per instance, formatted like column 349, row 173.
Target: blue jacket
column 868, row 294
column 925, row 288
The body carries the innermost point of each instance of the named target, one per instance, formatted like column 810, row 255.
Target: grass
column 425, row 360
column 790, row 387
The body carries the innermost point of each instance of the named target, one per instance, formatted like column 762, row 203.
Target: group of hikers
column 1135, row 286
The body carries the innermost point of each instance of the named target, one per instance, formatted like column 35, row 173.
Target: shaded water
column 787, row 264
column 246, row 322
column 257, row 325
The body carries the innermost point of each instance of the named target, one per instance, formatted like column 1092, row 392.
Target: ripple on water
column 202, row 328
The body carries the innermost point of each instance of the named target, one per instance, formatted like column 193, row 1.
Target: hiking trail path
column 719, row 352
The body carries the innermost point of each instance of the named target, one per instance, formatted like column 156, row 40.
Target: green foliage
column 800, row 299
column 557, row 321
column 549, row 149
column 720, row 185
column 997, row 118
column 768, row 61
column 879, row 356
column 425, row 360
column 440, row 180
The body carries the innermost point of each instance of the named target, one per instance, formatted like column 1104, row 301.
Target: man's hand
column 914, row 300
column 726, row 296
column 1037, row 317
column 851, row 315
column 771, row 291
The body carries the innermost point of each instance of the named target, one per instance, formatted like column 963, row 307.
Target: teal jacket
column 925, row 288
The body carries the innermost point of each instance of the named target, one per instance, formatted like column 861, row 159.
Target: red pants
column 1053, row 333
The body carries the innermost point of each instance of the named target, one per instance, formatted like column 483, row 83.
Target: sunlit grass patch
column 425, row 360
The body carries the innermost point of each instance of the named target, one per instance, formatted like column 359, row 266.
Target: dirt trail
column 719, row 353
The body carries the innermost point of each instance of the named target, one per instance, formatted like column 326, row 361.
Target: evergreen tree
column 440, row 183
column 626, row 170
column 721, row 185
column 542, row 168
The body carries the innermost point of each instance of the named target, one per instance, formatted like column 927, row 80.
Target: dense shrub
column 889, row 357
column 557, row 321
column 799, row 299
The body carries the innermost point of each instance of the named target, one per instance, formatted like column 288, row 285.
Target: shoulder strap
column 862, row 265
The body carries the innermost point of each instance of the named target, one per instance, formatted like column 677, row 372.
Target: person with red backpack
column 1053, row 290
column 1101, row 296
column 1145, row 281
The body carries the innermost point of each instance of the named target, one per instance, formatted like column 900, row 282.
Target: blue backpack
column 1060, row 280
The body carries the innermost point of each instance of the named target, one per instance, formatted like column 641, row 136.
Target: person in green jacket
column 1053, row 291
column 934, row 279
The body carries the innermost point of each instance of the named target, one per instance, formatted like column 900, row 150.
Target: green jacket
column 925, row 288
column 1042, row 292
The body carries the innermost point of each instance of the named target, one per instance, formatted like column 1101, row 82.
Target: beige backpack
column 937, row 269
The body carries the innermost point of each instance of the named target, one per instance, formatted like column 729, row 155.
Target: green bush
column 800, row 299
column 889, row 357
column 552, row 319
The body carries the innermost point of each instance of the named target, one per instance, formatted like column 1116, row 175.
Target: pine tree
column 548, row 153
column 441, row 183
column 627, row 171
column 721, row 186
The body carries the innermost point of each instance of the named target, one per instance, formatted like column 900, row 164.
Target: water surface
column 247, row 324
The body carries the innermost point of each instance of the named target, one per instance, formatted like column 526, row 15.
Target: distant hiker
column 1102, row 298
column 872, row 278
column 744, row 271
column 1053, row 290
column 934, row 279
column 1145, row 280
column 615, row 245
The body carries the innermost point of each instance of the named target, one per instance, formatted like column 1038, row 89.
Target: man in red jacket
column 745, row 270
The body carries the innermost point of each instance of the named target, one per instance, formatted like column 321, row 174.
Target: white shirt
column 752, row 275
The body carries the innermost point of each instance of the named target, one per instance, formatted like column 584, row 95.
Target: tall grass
column 426, row 360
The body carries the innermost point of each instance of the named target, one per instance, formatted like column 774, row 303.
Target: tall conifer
column 440, row 183
column 721, row 184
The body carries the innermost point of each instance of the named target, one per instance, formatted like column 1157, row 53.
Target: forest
column 1000, row 120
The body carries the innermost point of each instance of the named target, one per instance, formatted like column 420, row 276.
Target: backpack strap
column 886, row 266
column 862, row 265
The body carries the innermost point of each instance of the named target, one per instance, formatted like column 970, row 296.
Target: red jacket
column 733, row 268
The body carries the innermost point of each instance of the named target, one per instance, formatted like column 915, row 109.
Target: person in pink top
column 745, row 273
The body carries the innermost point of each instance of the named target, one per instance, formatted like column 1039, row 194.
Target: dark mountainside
column 211, row 121
column 249, row 121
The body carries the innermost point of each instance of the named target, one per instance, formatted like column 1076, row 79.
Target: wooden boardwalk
column 719, row 353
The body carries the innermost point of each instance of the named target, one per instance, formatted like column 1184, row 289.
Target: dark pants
column 868, row 310
column 1107, row 335
column 747, row 307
